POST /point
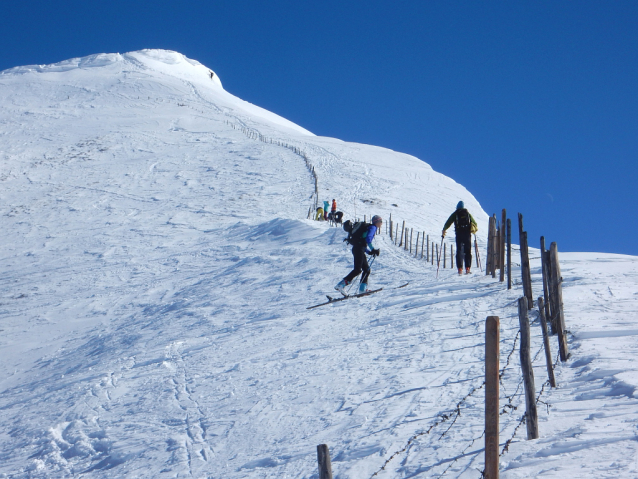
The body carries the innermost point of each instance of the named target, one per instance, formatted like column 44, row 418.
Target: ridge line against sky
column 532, row 106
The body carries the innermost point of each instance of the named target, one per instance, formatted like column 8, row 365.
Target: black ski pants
column 360, row 264
column 463, row 249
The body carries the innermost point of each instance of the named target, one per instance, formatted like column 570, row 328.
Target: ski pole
column 361, row 277
column 369, row 268
column 438, row 260
column 478, row 256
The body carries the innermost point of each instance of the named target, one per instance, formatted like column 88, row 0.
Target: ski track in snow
column 157, row 266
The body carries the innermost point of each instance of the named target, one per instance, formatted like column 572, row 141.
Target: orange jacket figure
column 334, row 206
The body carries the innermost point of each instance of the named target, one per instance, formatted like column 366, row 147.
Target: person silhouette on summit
column 464, row 226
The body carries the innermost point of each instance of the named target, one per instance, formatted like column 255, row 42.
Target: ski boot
column 467, row 270
column 341, row 286
column 460, row 270
column 363, row 287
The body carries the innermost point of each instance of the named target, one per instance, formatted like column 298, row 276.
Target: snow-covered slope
column 157, row 265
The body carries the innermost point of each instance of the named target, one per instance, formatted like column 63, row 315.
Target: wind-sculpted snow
column 157, row 265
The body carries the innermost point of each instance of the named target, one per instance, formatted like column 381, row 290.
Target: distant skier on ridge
column 361, row 245
column 464, row 226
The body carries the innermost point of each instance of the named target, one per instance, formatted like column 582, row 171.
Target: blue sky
column 532, row 105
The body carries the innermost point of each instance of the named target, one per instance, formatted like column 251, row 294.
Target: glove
column 375, row 252
column 443, row 235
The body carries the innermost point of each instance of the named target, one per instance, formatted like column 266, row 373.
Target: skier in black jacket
column 361, row 247
column 464, row 226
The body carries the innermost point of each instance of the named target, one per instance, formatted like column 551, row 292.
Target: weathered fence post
column 548, row 352
column 509, row 254
column 551, row 314
column 323, row 457
column 528, row 372
column 411, row 236
column 432, row 255
column 557, row 298
column 427, row 249
column 422, row 243
column 502, row 241
column 497, row 245
column 497, row 250
column 525, row 270
column 396, row 234
column 492, row 341
column 402, row 229
column 407, row 237
column 416, row 247
column 526, row 274
column 493, row 247
column 489, row 266
column 545, row 272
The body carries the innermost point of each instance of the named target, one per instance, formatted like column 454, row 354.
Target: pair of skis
column 351, row 296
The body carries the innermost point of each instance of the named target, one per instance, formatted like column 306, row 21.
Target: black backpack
column 356, row 232
column 462, row 223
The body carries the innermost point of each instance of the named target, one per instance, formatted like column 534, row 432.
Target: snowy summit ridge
column 165, row 61
column 157, row 264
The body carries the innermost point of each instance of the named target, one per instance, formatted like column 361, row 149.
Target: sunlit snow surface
column 156, row 269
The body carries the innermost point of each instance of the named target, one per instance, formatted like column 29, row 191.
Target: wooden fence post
column 437, row 255
column 411, row 236
column 416, row 247
column 402, row 230
column 489, row 241
column 502, row 241
column 509, row 254
column 396, row 234
column 489, row 265
column 427, row 249
column 548, row 352
column 545, row 273
column 432, row 255
column 531, row 412
column 492, row 341
column 407, row 237
column 323, row 457
column 557, row 297
column 493, row 246
column 551, row 314
column 525, row 269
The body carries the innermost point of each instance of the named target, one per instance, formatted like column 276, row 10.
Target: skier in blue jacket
column 361, row 247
